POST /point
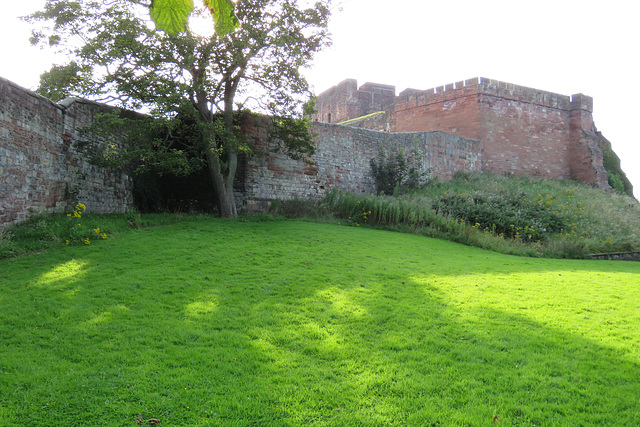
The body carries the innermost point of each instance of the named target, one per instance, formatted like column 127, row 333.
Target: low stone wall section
column 342, row 161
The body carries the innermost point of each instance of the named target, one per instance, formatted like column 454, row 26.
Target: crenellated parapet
column 411, row 98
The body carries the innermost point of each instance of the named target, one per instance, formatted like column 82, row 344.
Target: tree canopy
column 115, row 54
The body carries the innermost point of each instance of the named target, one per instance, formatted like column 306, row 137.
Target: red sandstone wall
column 452, row 108
column 524, row 139
column 523, row 131
column 587, row 162
column 333, row 104
column 346, row 101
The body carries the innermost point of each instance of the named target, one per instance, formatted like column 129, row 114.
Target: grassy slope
column 288, row 323
column 590, row 212
column 590, row 220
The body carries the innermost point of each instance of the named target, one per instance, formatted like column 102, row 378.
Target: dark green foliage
column 616, row 177
column 615, row 181
column 147, row 192
column 503, row 214
column 395, row 172
column 292, row 136
column 148, row 144
column 162, row 153
column 56, row 83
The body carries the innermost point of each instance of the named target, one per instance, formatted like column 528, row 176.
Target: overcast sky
column 562, row 46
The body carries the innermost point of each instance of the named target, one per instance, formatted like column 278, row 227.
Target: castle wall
column 39, row 164
column 346, row 101
column 524, row 138
column 452, row 108
column 532, row 132
column 587, row 159
column 522, row 131
column 342, row 161
column 475, row 125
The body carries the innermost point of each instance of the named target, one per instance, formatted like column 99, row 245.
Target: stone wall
column 342, row 161
column 39, row 165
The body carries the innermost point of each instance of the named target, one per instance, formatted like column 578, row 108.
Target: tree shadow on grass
column 427, row 365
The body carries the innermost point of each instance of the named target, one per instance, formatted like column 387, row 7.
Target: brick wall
column 524, row 138
column 532, row 132
column 474, row 125
column 39, row 164
column 452, row 108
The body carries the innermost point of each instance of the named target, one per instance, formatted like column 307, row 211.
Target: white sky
column 562, row 46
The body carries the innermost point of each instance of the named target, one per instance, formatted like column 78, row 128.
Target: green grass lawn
column 286, row 323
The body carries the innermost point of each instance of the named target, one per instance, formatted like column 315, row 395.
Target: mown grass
column 209, row 322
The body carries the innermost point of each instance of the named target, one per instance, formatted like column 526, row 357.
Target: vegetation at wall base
column 319, row 325
column 515, row 215
column 56, row 230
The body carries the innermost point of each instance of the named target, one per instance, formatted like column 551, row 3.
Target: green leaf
column 223, row 14
column 171, row 16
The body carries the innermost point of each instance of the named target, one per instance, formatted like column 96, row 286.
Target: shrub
column 616, row 182
column 395, row 172
column 505, row 215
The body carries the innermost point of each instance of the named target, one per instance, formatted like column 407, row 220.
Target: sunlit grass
column 284, row 323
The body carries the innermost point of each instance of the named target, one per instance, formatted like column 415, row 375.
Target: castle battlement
column 411, row 98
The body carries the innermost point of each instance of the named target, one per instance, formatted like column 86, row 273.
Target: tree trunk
column 223, row 184
column 227, row 203
column 222, row 174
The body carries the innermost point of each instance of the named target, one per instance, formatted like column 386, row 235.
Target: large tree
column 116, row 55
